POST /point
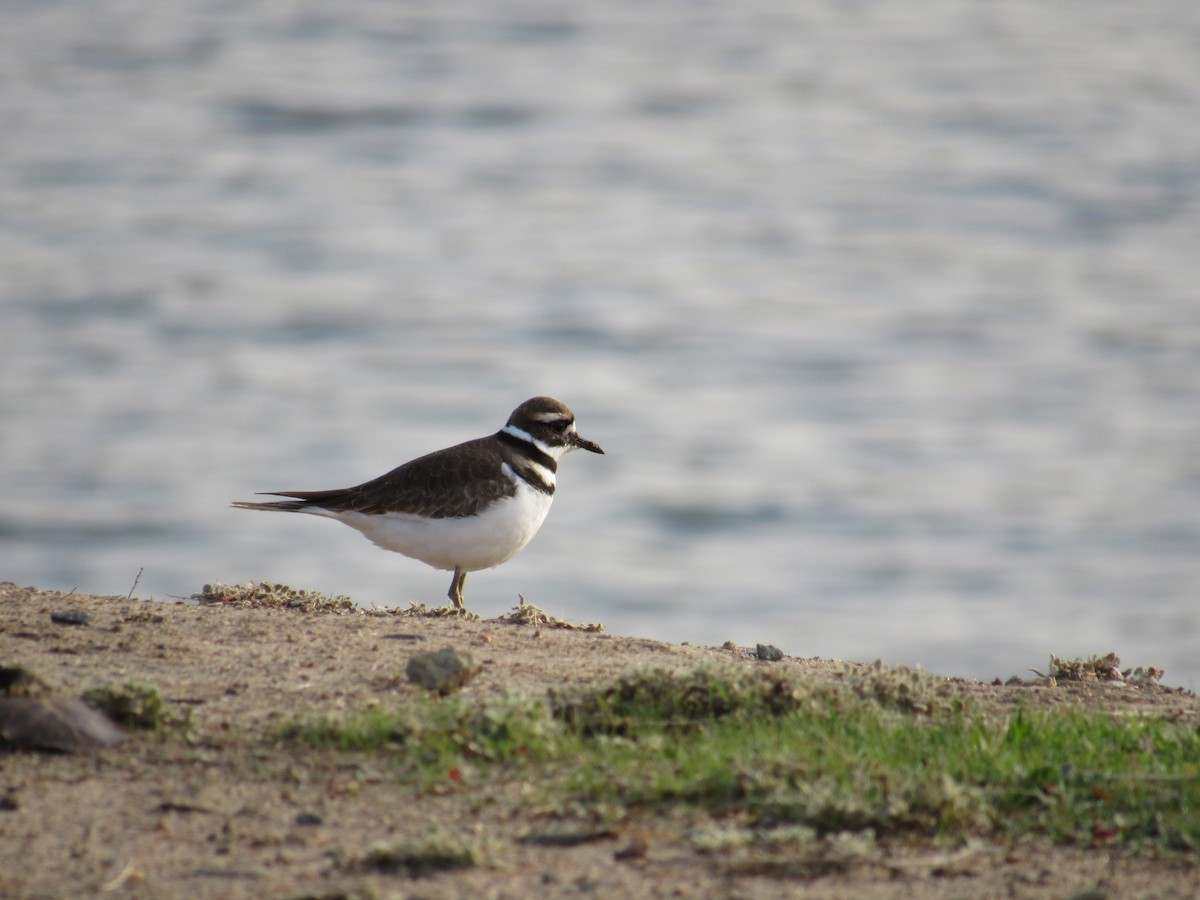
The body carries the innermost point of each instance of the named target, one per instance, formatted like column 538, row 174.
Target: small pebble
column 71, row 617
column 768, row 652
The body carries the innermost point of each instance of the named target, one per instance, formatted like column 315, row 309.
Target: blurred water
column 886, row 314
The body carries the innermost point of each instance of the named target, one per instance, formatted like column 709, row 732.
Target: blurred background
column 886, row 314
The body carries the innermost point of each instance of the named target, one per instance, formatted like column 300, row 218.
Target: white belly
column 469, row 543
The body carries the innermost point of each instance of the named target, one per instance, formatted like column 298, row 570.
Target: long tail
column 280, row 506
column 305, row 501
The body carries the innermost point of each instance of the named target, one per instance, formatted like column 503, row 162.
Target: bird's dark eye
column 558, row 426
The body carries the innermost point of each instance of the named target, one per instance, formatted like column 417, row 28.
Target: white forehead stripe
column 550, row 417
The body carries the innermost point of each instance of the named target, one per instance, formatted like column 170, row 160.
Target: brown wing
column 459, row 481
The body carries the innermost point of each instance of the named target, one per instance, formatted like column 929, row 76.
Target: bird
column 468, row 507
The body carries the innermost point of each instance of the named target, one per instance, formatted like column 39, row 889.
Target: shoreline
column 225, row 810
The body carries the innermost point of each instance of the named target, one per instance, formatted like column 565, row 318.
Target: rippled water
column 886, row 314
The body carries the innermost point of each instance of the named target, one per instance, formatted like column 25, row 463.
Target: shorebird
column 469, row 507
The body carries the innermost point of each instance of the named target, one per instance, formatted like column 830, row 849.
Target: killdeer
column 465, row 508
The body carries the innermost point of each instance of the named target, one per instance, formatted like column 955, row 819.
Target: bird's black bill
column 585, row 444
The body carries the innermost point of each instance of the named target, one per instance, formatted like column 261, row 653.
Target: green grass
column 132, row 705
column 434, row 736
column 890, row 751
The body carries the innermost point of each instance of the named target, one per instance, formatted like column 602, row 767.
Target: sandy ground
column 229, row 813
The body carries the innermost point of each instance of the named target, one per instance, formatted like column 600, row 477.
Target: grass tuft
column 265, row 595
column 434, row 851
column 908, row 690
column 1098, row 668
column 132, row 705
column 680, row 701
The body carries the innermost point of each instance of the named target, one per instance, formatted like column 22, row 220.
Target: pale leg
column 456, row 589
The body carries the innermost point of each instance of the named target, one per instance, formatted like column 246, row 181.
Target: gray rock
column 768, row 652
column 442, row 670
column 71, row 617
column 67, row 725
